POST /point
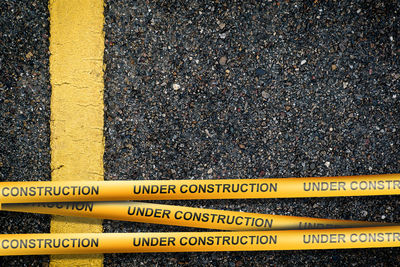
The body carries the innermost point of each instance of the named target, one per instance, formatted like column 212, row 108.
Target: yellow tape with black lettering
column 364, row 185
column 183, row 216
column 84, row 243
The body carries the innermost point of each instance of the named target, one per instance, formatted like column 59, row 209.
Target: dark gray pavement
column 248, row 89
column 24, row 111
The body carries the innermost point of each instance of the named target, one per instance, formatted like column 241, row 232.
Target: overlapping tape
column 183, row 216
column 257, row 231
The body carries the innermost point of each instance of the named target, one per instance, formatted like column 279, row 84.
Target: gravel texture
column 248, row 89
column 24, row 111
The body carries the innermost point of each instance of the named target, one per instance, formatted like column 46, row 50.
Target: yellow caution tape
column 183, row 216
column 364, row 185
column 85, row 243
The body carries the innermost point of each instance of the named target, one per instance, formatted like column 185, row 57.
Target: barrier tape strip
column 364, row 185
column 85, row 243
column 183, row 216
column 19, row 196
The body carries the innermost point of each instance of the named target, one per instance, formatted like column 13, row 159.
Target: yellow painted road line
column 184, row 216
column 76, row 71
column 35, row 244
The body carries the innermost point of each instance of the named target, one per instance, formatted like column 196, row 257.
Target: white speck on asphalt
column 176, row 86
column 327, row 164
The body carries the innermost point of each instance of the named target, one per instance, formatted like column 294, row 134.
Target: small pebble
column 29, row 55
column 364, row 213
column 264, row 94
column 260, row 72
column 176, row 86
column 222, row 60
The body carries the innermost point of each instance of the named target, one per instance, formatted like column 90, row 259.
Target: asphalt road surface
column 24, row 111
column 222, row 89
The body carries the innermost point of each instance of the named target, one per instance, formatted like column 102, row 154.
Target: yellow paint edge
column 77, row 141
